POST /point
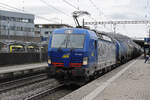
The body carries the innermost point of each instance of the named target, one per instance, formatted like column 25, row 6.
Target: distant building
column 44, row 30
column 17, row 26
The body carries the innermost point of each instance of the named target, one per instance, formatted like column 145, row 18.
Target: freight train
column 77, row 55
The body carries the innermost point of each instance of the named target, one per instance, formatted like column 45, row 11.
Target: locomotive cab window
column 59, row 41
column 75, row 41
column 67, row 41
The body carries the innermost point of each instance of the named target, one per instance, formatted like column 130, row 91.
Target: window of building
column 7, row 18
column 3, row 18
column 12, row 27
column 50, row 26
column 17, row 19
column 3, row 27
column 46, row 26
column 18, row 29
column 21, row 28
column 30, row 20
column 53, row 26
column 25, row 20
column 14, row 19
column 46, row 32
column 11, row 18
column 37, row 32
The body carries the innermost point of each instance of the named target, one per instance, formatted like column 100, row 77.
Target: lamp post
column 40, row 47
column 8, row 30
column 0, row 26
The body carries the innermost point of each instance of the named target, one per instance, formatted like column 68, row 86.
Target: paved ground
column 13, row 68
column 128, row 82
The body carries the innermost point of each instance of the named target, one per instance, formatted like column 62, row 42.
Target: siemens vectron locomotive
column 77, row 54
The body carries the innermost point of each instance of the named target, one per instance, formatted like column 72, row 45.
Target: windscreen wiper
column 63, row 43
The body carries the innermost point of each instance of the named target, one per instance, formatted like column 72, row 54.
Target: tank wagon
column 76, row 54
column 126, row 49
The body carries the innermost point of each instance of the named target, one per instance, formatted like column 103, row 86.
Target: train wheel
column 104, row 70
column 100, row 73
column 92, row 77
column 109, row 68
column 87, row 79
column 115, row 65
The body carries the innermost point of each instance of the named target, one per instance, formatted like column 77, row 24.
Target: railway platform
column 23, row 67
column 130, row 81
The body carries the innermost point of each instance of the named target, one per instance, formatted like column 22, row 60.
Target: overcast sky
column 59, row 11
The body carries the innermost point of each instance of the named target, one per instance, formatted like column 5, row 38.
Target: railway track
column 37, row 87
column 31, row 91
column 33, row 88
column 47, row 92
column 7, row 86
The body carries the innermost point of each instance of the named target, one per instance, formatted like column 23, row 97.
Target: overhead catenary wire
column 10, row 9
column 99, row 11
column 23, row 5
column 22, row 11
column 51, row 6
column 94, row 5
column 46, row 19
column 70, row 4
column 78, row 4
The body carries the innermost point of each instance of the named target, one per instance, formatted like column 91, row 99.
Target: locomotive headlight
column 49, row 61
column 85, row 61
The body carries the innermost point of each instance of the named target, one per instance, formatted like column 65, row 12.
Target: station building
column 44, row 30
column 16, row 26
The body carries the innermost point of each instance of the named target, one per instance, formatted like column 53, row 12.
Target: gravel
column 29, row 90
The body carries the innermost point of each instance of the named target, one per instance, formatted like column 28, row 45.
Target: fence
column 21, row 58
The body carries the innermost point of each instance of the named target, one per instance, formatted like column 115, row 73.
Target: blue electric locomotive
column 78, row 54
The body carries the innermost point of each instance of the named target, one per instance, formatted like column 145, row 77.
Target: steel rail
column 6, row 86
column 45, row 93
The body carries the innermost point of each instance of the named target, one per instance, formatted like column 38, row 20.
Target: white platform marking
column 99, row 89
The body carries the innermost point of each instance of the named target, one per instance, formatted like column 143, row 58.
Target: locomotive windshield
column 67, row 41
